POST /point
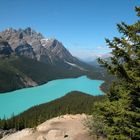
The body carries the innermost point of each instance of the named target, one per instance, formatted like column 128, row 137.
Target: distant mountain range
column 29, row 59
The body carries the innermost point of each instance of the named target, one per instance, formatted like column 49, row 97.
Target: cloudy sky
column 81, row 25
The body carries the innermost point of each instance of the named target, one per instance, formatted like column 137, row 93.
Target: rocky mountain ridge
column 27, row 42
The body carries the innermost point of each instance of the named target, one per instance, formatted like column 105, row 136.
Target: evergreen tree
column 118, row 117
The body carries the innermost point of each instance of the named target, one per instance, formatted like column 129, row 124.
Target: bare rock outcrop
column 5, row 48
column 67, row 127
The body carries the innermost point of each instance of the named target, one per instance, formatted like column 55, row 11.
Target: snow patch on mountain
column 74, row 65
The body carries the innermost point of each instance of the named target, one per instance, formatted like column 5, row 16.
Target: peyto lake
column 20, row 100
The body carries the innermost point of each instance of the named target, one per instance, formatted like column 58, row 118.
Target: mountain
column 15, row 37
column 28, row 59
column 27, row 42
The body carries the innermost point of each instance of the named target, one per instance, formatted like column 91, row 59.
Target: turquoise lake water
column 20, row 100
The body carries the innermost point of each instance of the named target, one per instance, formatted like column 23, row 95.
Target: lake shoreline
column 53, row 80
column 25, row 98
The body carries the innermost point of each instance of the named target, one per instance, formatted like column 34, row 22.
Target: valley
column 28, row 59
column 69, row 70
column 35, row 76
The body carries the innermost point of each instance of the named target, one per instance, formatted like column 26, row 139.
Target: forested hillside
column 72, row 103
column 19, row 72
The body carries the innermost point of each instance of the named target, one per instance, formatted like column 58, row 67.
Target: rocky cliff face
column 5, row 48
column 15, row 37
column 32, row 44
column 25, row 49
column 55, row 52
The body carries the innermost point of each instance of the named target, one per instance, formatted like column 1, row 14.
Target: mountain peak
column 46, row 42
column 29, row 43
column 15, row 36
column 26, row 32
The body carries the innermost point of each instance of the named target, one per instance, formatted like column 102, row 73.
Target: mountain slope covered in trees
column 72, row 103
column 19, row 72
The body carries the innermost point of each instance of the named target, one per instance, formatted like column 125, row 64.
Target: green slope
column 41, row 72
column 9, row 76
column 14, row 69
